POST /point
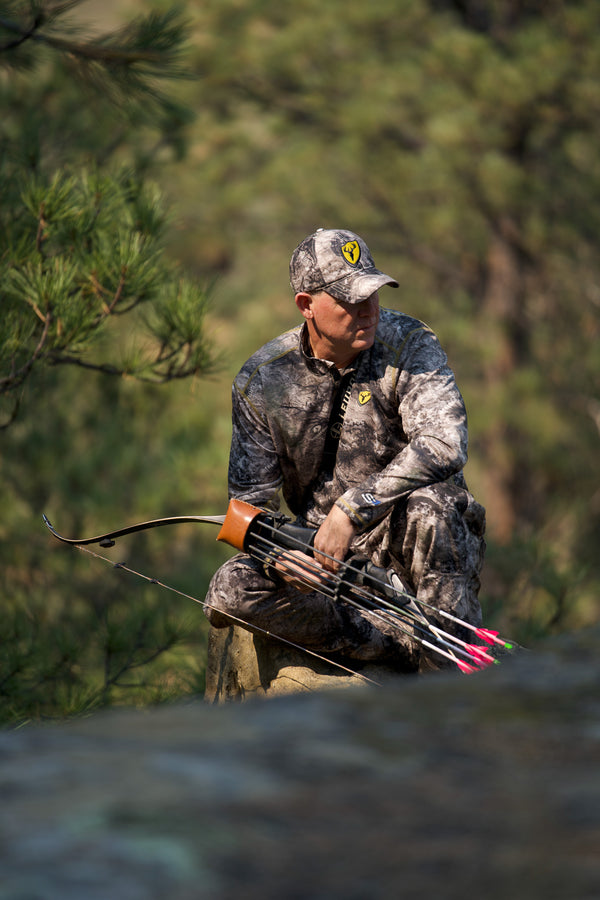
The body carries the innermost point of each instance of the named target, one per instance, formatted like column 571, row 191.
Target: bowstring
column 235, row 619
column 410, row 621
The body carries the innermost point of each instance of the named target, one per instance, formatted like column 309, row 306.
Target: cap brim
column 359, row 286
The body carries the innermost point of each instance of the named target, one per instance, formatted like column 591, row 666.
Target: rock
column 242, row 665
column 447, row 785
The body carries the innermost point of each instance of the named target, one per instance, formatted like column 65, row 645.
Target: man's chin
column 364, row 339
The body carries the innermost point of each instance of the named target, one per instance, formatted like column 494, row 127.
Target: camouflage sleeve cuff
column 363, row 516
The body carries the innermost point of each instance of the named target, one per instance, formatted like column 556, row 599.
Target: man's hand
column 334, row 538
column 297, row 568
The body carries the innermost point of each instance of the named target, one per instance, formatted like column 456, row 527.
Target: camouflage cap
column 338, row 262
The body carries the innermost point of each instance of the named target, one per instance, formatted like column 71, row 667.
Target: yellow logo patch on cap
column 364, row 397
column 351, row 251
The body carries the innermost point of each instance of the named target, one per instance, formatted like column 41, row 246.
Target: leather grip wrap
column 238, row 519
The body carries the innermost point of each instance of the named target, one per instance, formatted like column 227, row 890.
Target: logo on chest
column 364, row 397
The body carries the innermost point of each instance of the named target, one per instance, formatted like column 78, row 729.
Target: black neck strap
column 336, row 420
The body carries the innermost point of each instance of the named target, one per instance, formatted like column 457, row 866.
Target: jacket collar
column 322, row 366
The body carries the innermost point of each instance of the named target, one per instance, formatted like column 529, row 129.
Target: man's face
column 339, row 331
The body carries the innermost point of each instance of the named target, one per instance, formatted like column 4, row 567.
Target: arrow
column 268, row 536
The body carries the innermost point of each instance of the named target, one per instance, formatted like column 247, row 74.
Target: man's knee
column 448, row 504
column 443, row 499
column 444, row 529
column 229, row 587
column 215, row 601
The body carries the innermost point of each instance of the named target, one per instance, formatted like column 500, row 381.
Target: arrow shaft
column 267, row 536
column 411, row 622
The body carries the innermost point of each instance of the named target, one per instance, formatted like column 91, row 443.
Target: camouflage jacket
column 404, row 425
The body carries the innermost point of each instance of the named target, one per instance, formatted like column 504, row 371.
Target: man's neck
column 341, row 360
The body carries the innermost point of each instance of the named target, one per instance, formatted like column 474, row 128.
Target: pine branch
column 122, row 64
column 154, row 39
column 18, row 376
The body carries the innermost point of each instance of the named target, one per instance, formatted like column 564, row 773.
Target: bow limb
column 108, row 539
column 234, row 526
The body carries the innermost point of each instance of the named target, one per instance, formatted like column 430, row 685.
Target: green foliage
column 87, row 289
column 77, row 634
column 95, row 650
column 138, row 55
column 86, row 250
column 83, row 245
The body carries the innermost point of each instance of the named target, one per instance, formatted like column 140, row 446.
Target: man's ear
column 304, row 304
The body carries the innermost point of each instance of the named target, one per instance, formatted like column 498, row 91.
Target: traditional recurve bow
column 272, row 538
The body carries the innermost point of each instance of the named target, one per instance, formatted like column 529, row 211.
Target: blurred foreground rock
column 444, row 786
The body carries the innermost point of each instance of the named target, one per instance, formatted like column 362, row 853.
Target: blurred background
column 157, row 168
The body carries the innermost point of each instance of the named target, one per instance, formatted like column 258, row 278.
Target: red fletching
column 490, row 637
column 480, row 654
column 465, row 667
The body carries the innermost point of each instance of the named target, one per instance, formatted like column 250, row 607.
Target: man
column 355, row 417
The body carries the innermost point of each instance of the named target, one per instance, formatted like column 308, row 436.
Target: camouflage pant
column 434, row 542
